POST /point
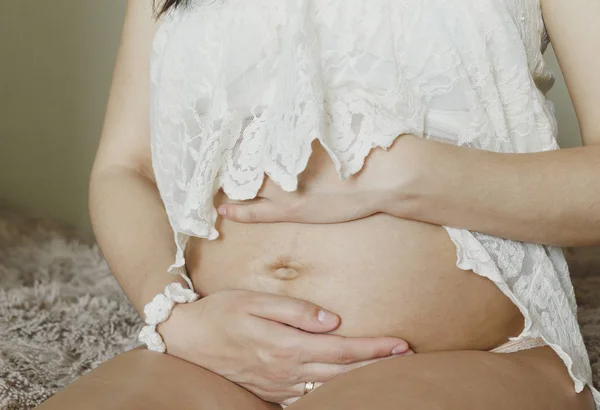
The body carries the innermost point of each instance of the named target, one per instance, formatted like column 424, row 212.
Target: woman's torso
column 383, row 275
column 241, row 88
column 244, row 88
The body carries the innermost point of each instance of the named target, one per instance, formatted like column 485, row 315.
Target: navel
column 286, row 273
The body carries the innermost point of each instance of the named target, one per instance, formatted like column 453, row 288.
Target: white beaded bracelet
column 159, row 309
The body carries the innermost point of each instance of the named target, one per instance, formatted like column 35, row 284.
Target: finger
column 324, row 371
column 261, row 211
column 297, row 313
column 300, row 389
column 345, row 350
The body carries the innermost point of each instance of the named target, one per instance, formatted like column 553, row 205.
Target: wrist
column 436, row 180
column 170, row 329
column 159, row 310
column 175, row 330
column 408, row 177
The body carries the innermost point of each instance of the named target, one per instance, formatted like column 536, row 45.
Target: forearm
column 133, row 232
column 548, row 198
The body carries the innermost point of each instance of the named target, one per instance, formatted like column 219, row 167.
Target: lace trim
column 500, row 262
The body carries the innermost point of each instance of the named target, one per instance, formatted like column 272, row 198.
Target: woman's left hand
column 322, row 197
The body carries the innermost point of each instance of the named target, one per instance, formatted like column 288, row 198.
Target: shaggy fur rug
column 62, row 313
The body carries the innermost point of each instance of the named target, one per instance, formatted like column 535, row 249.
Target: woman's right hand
column 268, row 344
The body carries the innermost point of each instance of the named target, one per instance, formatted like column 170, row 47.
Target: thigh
column 534, row 379
column 141, row 379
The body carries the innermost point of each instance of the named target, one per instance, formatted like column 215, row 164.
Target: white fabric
column 159, row 309
column 241, row 88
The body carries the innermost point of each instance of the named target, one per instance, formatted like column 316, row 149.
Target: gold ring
column 308, row 387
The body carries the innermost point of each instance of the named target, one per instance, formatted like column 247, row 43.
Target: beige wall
column 56, row 59
column 568, row 127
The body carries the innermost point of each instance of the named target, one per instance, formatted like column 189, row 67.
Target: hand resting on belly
column 268, row 344
column 384, row 276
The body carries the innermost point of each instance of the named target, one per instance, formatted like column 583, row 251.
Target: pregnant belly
column 384, row 276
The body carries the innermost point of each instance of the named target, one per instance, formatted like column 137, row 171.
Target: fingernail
column 326, row 318
column 222, row 210
column 399, row 349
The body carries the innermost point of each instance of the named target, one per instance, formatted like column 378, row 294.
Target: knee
column 137, row 379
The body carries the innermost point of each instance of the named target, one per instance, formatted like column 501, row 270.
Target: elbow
column 108, row 171
column 139, row 165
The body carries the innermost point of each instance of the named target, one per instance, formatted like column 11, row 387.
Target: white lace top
column 240, row 89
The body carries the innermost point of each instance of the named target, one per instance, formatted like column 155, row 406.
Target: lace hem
column 487, row 257
column 345, row 74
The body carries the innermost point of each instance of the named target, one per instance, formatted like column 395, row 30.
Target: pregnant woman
column 347, row 205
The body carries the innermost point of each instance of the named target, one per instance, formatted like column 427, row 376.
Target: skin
column 531, row 379
column 461, row 380
column 136, row 239
column 328, row 262
column 273, row 367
